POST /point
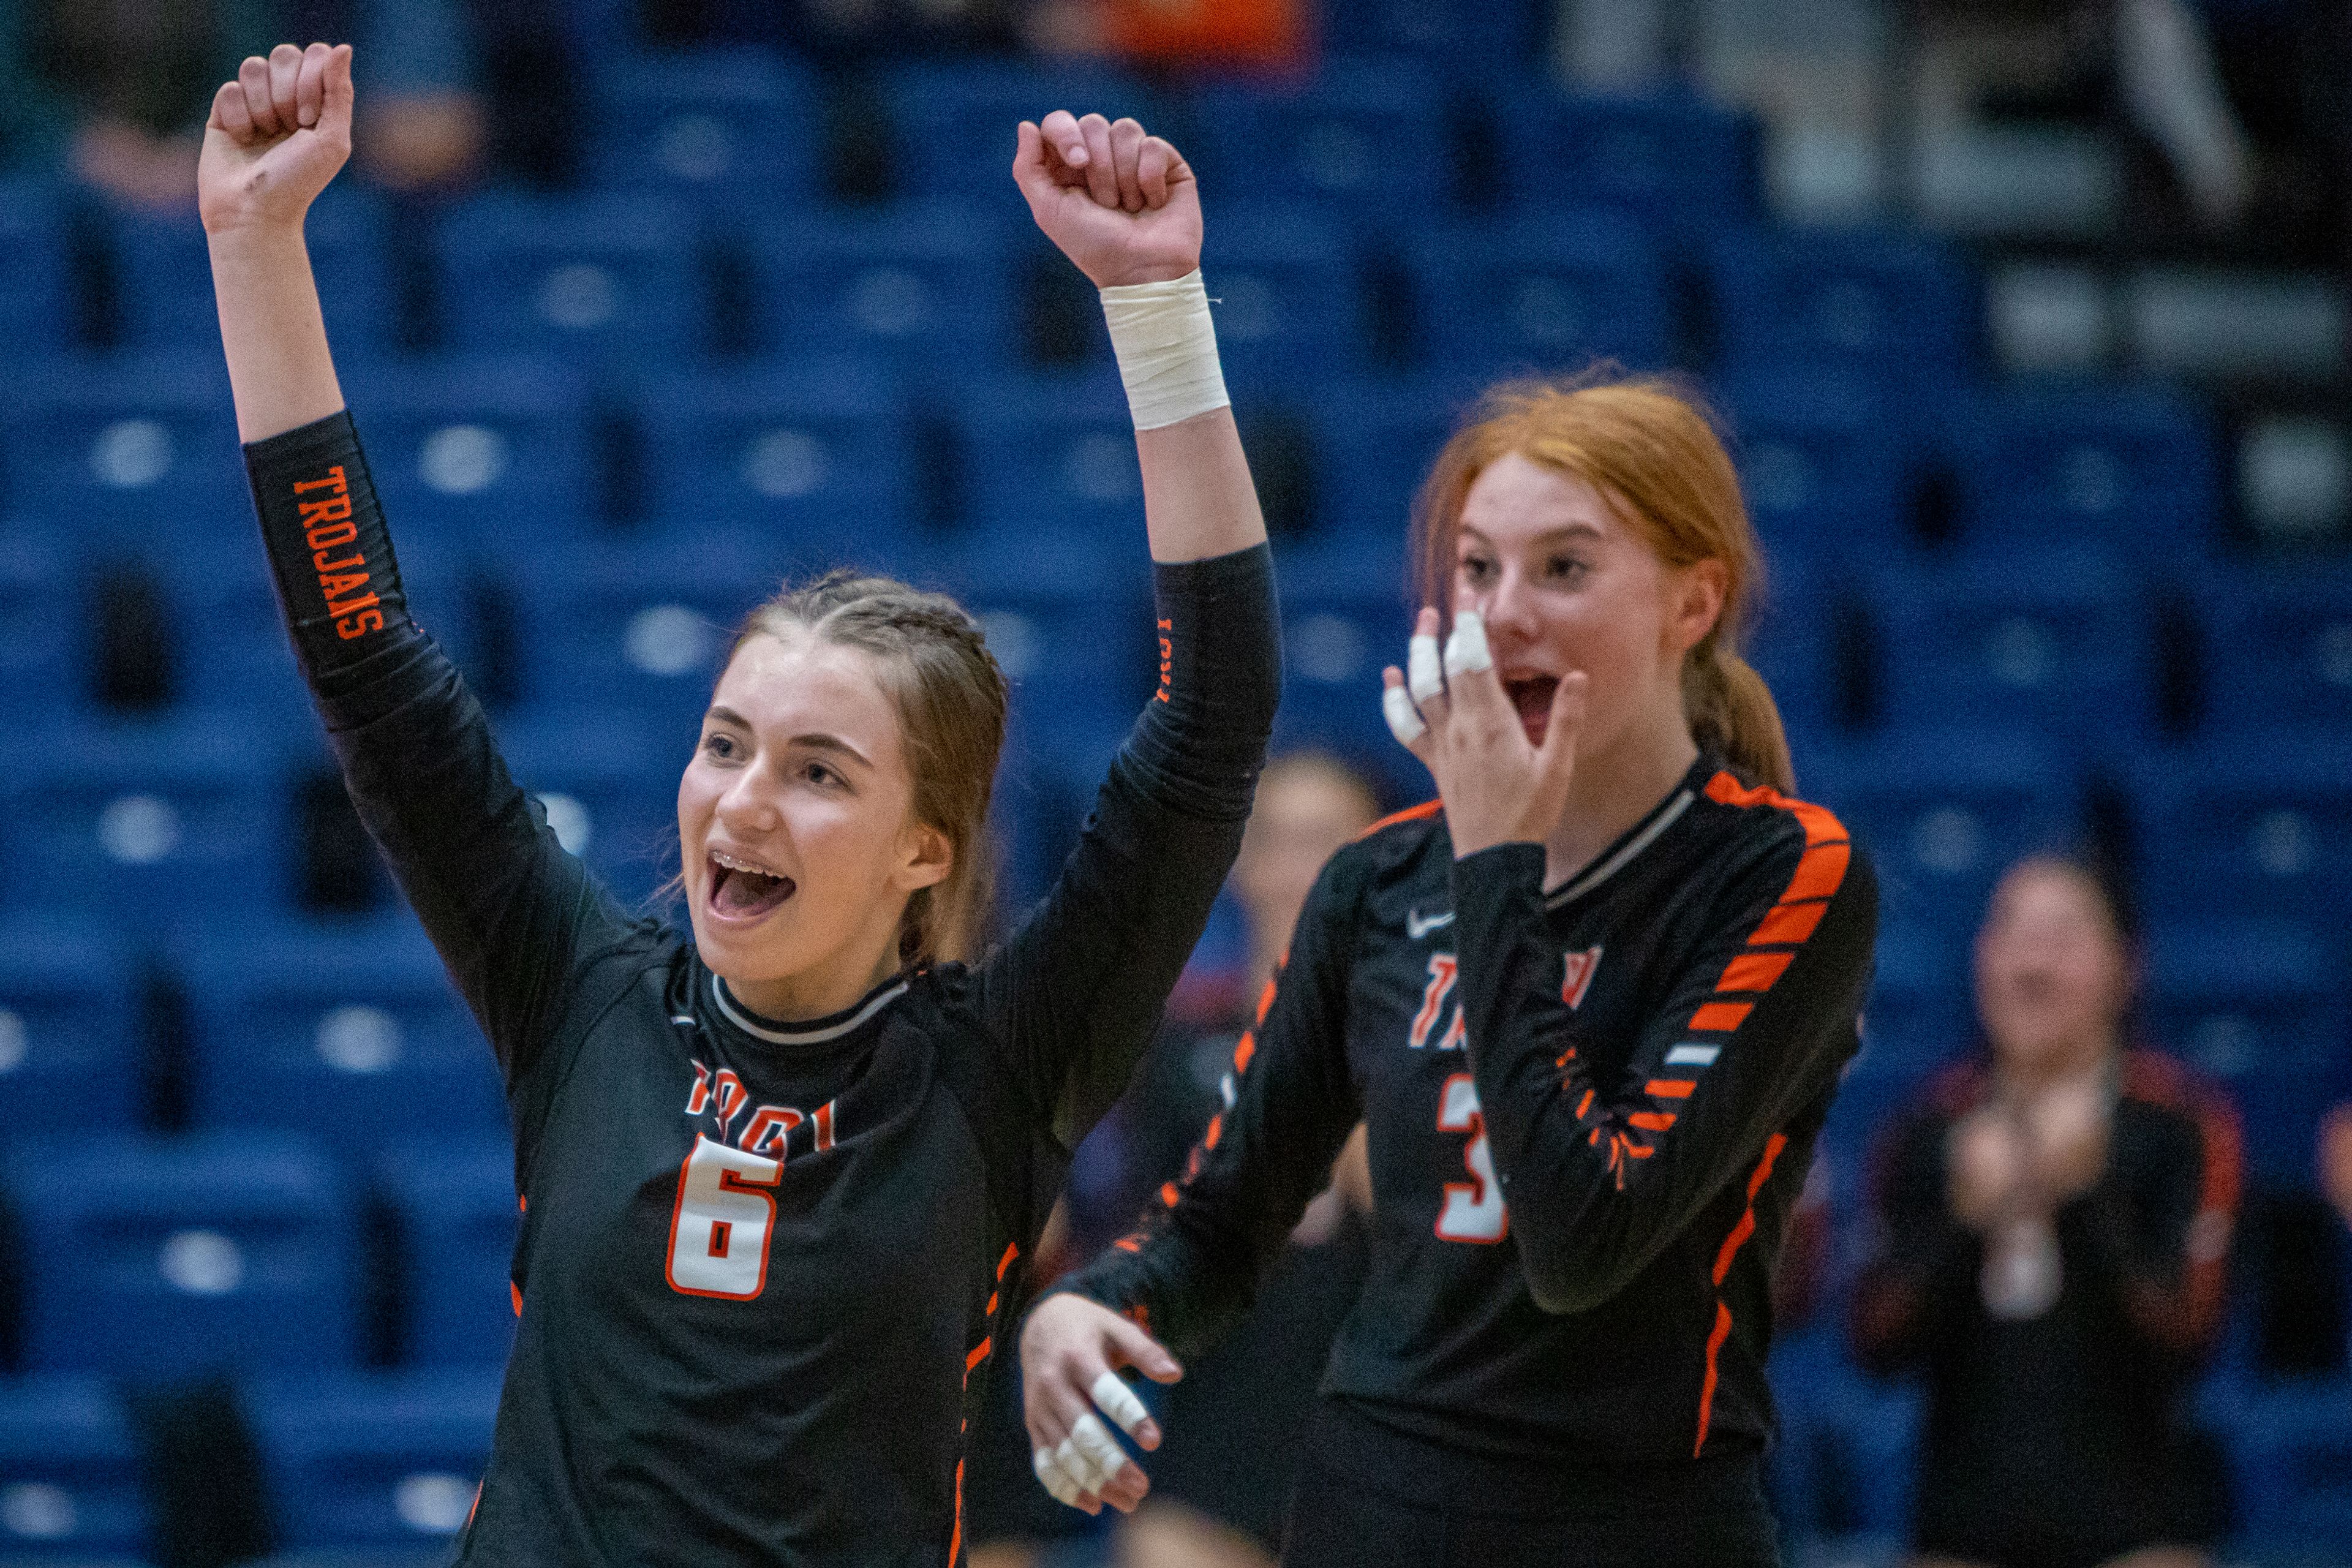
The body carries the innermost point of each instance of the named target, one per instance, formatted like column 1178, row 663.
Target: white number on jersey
column 1473, row 1209
column 718, row 1232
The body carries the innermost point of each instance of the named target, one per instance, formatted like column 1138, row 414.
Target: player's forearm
column 279, row 370
column 1199, row 500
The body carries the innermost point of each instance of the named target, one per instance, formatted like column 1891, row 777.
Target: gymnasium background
column 2029, row 324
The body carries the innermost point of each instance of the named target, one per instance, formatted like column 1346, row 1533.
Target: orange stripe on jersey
column 1242, row 1050
column 1822, row 827
column 1791, row 923
column 1652, row 1121
column 955, row 1538
column 1670, row 1087
column 516, row 1291
column 1427, row 809
column 1012, row 1251
column 1217, row 1130
column 1732, row 1243
column 1721, row 1016
column 979, row 1353
column 1754, row 971
column 1168, row 1193
column 1820, row 873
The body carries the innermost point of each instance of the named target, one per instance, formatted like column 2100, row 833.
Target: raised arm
column 1189, row 1269
column 508, row 908
column 1074, row 998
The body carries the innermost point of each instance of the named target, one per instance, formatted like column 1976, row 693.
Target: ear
column 925, row 856
column 1696, row 602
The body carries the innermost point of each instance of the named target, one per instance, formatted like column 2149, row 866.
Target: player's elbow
column 1564, row 1277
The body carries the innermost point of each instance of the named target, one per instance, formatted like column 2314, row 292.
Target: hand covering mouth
column 744, row 889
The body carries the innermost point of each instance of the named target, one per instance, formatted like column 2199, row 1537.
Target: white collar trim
column 1665, row 819
column 813, row 1037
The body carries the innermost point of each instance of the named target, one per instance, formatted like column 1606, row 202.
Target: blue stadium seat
column 2056, row 636
column 1684, row 164
column 1944, row 811
column 1886, row 303
column 2291, row 1458
column 642, row 626
column 166, row 276
column 36, row 299
column 1070, row 622
column 171, row 1259
column 730, row 128
column 1546, row 295
column 1287, row 308
column 353, row 1036
column 1494, row 39
column 1847, row 1456
column 608, row 782
column 70, row 1481
column 1790, row 640
column 453, row 1205
column 1053, row 456
column 129, row 443
column 811, row 456
column 1344, row 618
column 2045, row 464
column 610, row 276
column 954, row 126
column 151, row 823
column 2278, row 648
column 1825, row 458
column 373, row 1460
column 1374, row 445
column 1366, row 136
column 2250, row 823
column 69, row 1033
column 924, row 283
column 43, row 661
column 2258, row 1008
column 483, row 454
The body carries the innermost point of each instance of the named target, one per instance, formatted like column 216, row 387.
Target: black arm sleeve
column 1756, row 1029
column 1921, row 1276
column 1074, row 998
column 1188, row 1271
column 509, row 909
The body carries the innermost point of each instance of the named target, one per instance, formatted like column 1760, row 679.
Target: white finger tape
column 1466, row 648
column 1099, row 1453
column 1167, row 349
column 1056, row 1480
column 1422, row 676
column 1119, row 1402
column 1404, row 719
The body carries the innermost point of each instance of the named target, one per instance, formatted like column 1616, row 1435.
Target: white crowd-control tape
column 1119, row 1402
column 1422, row 673
column 1404, row 719
column 1466, row 648
column 1167, row 349
column 1056, row 1480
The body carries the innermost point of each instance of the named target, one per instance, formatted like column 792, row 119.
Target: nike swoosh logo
column 1417, row 925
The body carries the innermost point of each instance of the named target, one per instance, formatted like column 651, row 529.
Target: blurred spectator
column 1232, row 1425
column 2052, row 1246
column 2335, row 1159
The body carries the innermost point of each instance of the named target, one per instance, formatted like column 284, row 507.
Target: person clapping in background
column 2052, row 1244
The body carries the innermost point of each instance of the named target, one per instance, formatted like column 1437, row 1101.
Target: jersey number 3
column 1474, row 1210
column 718, row 1232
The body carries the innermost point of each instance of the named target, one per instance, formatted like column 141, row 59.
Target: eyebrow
column 1580, row 529
column 818, row 741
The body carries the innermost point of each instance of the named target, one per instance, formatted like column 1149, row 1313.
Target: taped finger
column 1101, row 1458
column 1422, row 671
column 1466, row 648
column 1056, row 1480
column 1119, row 1402
column 1404, row 719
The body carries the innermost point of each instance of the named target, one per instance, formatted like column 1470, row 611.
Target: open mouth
column 743, row 890
column 1532, row 695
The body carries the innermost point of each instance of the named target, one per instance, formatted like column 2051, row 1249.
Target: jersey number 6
column 1474, row 1210
column 718, row 1231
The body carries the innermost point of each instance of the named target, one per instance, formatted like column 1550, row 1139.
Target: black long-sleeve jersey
column 1590, row 1112
column 761, row 1265
column 2058, row 1432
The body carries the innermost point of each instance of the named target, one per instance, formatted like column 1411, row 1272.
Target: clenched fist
column 1122, row 205
column 277, row 135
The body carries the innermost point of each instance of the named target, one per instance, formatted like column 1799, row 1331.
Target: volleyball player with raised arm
column 778, row 1171
column 1591, row 1004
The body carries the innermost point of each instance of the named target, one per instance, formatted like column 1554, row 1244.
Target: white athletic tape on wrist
column 1404, row 719
column 1116, row 1400
column 1466, row 648
column 1167, row 349
column 1056, row 1480
column 1422, row 676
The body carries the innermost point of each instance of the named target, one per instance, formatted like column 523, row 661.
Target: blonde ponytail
column 1732, row 713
